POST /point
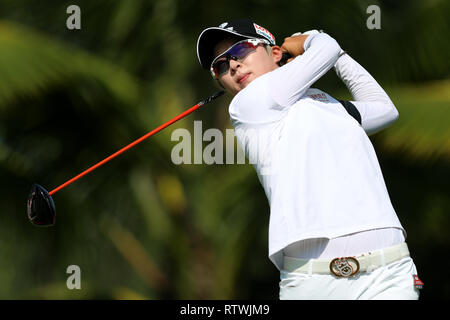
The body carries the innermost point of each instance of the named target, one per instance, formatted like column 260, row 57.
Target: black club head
column 40, row 207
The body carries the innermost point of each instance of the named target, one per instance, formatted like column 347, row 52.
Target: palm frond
column 422, row 130
column 31, row 62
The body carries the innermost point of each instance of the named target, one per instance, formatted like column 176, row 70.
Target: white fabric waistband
column 367, row 261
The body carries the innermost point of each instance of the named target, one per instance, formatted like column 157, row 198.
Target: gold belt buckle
column 344, row 267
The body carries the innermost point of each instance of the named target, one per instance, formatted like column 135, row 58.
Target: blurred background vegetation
column 144, row 228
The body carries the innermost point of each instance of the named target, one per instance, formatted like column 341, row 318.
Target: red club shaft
column 131, row 145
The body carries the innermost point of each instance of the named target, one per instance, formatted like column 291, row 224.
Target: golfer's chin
column 235, row 87
column 241, row 85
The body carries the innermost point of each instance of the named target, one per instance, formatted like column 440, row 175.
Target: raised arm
column 291, row 81
column 376, row 108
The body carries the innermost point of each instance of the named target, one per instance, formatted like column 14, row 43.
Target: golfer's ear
column 276, row 53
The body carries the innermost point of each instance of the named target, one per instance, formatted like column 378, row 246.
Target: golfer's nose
column 234, row 64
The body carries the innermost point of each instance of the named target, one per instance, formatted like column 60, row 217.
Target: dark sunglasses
column 236, row 52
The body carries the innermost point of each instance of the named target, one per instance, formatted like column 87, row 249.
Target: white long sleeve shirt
column 315, row 162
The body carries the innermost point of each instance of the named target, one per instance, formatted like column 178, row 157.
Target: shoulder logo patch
column 319, row 97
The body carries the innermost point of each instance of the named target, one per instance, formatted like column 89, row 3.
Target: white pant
column 391, row 282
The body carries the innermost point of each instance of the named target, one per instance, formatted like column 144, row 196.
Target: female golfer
column 333, row 232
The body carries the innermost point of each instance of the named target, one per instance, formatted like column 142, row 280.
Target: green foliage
column 31, row 63
column 423, row 130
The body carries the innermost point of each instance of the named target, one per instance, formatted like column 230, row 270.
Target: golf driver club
column 40, row 206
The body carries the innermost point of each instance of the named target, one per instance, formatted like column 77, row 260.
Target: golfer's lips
column 242, row 78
